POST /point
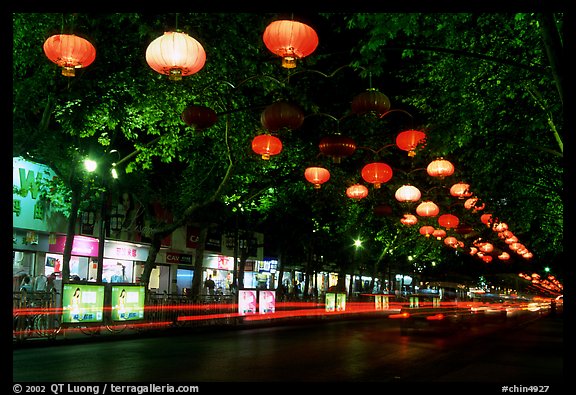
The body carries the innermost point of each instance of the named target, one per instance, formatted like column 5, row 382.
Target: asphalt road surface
column 367, row 350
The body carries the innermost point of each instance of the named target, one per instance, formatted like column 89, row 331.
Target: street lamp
column 91, row 166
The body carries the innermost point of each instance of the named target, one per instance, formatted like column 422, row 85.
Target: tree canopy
column 487, row 88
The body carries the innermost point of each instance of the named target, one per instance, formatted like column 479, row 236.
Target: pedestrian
column 210, row 285
column 25, row 285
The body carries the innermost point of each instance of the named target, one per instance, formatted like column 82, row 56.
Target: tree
column 462, row 88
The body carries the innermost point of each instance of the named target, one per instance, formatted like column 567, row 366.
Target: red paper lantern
column 291, row 40
column 69, row 52
column 460, row 190
column 486, row 219
column 440, row 168
column 511, row 240
column 451, row 241
column 281, row 115
column 407, row 193
column 487, row 258
column 499, row 226
column 448, row 221
column 411, row 140
column 317, row 176
column 337, row 147
column 474, row 204
column 266, row 145
column 504, row 256
column 370, row 102
column 199, row 117
column 439, row 233
column 426, row 230
column 176, row 55
column 377, row 173
column 485, row 247
column 427, row 209
column 357, row 191
column 409, row 219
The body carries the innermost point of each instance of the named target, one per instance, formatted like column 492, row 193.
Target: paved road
column 369, row 350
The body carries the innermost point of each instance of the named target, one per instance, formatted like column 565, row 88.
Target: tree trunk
column 71, row 232
column 198, row 261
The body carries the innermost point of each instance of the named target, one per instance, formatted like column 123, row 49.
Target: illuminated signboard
column 82, row 303
column 266, row 301
column 246, row 302
column 335, row 301
column 330, row 301
column 127, row 302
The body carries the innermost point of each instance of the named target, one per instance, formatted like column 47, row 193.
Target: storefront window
column 117, row 271
column 184, row 280
column 22, row 265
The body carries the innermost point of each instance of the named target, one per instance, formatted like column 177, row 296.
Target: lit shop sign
column 28, row 210
column 174, row 257
column 82, row 245
column 125, row 251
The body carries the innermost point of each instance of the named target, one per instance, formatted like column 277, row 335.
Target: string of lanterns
column 177, row 55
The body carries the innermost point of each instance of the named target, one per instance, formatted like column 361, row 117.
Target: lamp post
column 91, row 166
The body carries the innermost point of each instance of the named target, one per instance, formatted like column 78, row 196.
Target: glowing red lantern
column 499, row 227
column 407, row 193
column 460, row 190
column 337, row 147
column 377, row 173
column 426, row 230
column 291, row 40
column 485, row 247
column 487, row 258
column 486, row 219
column 448, row 221
column 357, row 191
column 199, row 117
column 317, row 176
column 281, row 115
column 69, row 52
column 266, row 145
column 510, row 240
column 176, row 55
column 410, row 140
column 451, row 241
column 474, row 204
column 427, row 209
column 440, row 168
column 439, row 233
column 409, row 219
column 370, row 102
column 504, row 256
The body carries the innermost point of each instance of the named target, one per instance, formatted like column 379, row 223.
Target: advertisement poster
column 127, row 302
column 340, row 302
column 330, row 301
column 267, row 301
column 82, row 303
column 246, row 302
